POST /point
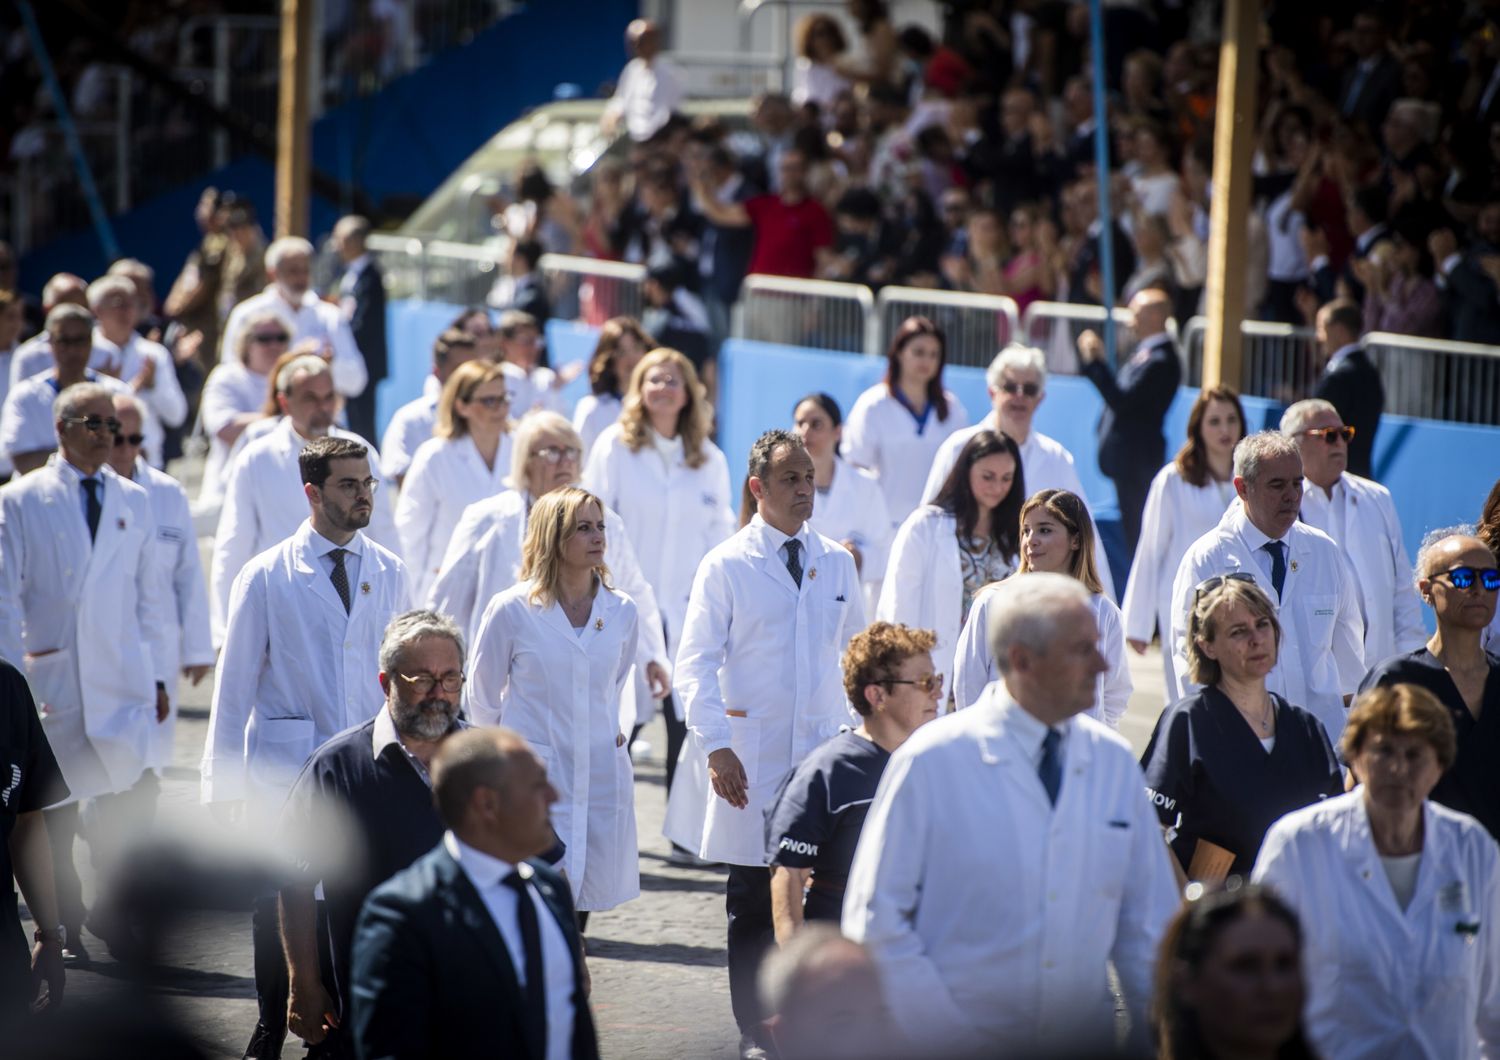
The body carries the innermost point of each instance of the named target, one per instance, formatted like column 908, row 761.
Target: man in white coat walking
column 1321, row 657
column 300, row 664
column 263, row 498
column 1016, row 797
column 1361, row 518
column 770, row 614
column 83, row 608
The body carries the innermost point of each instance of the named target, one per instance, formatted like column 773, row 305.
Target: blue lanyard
column 921, row 417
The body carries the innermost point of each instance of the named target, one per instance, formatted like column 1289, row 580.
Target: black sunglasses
column 129, row 439
column 1331, row 434
column 1208, row 585
column 94, row 423
column 1463, row 577
column 1029, row 389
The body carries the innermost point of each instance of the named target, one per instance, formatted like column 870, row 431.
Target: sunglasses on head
column 1463, row 577
column 1208, row 585
column 129, row 439
column 1028, row 389
column 1331, row 434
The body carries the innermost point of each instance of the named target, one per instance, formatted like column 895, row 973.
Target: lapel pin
column 598, row 623
column 120, row 524
column 813, row 573
column 364, row 588
column 1294, row 564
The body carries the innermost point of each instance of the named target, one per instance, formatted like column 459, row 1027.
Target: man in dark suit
column 362, row 301
column 1136, row 399
column 1350, row 381
column 1373, row 85
column 473, row 950
column 522, row 287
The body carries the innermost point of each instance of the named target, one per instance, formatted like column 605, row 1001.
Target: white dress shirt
column 312, row 319
column 646, row 95
column 488, row 875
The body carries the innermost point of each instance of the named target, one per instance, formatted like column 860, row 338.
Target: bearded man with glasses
column 299, row 665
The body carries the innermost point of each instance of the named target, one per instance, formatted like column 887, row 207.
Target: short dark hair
column 318, row 454
column 445, row 343
column 1371, row 201
column 470, row 759
column 825, row 402
column 764, row 449
column 529, row 250
column 1345, row 313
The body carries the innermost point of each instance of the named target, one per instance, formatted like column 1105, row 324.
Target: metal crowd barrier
column 975, row 325
column 1437, row 379
column 1281, row 362
column 818, row 314
column 1054, row 327
column 591, row 290
column 436, row 270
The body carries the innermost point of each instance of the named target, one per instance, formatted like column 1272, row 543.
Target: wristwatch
column 57, row 935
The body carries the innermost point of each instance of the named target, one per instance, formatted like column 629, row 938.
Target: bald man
column 1457, row 578
column 1136, row 399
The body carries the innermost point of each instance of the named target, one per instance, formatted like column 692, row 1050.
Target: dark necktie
column 340, row 576
column 794, row 561
column 531, row 944
column 1278, row 565
column 1049, row 769
column 93, row 507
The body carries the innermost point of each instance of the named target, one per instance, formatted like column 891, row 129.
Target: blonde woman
column 670, row 484
column 467, row 459
column 1057, row 536
column 235, row 392
column 550, row 661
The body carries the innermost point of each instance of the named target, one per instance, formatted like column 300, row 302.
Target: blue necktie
column 93, row 507
column 1050, row 767
column 1278, row 565
column 794, row 560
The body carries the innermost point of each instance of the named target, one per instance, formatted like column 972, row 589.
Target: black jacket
column 1136, row 400
column 368, row 321
column 1353, row 387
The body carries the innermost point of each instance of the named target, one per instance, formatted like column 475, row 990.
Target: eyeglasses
column 271, row 336
column 94, row 423
column 1028, row 389
column 72, row 340
column 351, row 488
column 422, row 684
column 492, row 401
column 1208, row 585
column 929, row 684
column 1463, row 577
column 556, row 454
column 1331, row 434
column 129, row 439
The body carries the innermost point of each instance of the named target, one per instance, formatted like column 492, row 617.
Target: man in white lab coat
column 84, row 609
column 300, row 664
column 263, row 496
column 1361, row 518
column 1017, row 384
column 1009, row 855
column 758, row 668
column 1301, row 569
column 142, row 365
column 413, row 422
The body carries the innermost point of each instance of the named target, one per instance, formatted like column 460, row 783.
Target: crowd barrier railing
column 1280, row 361
column 975, row 325
column 818, row 314
column 590, row 289
column 435, row 270
column 1437, row 379
column 1054, row 327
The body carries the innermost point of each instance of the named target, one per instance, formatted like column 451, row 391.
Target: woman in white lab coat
column 1399, row 896
column 896, row 426
column 622, row 344
column 849, row 507
column 1057, row 536
column 550, row 662
column 1187, row 499
column 1488, row 531
column 670, row 484
column 466, row 460
column 234, row 395
column 947, row 551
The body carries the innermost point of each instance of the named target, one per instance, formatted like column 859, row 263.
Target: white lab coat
column 230, row 390
column 924, row 583
column 560, row 689
column 1383, row 982
column 166, row 405
column 88, row 622
column 673, row 515
column 26, row 423
column 264, row 504
column 296, row 669
column 189, row 642
column 410, row 426
column 961, row 812
column 1371, row 541
column 1322, row 637
column 974, row 666
column 313, row 319
column 484, row 560
column 536, row 389
column 881, row 435
column 854, row 509
column 446, row 476
column 594, row 414
column 1176, row 515
column 1046, row 464
column 757, row 644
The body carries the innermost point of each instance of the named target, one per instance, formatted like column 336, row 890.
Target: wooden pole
column 1234, row 142
column 293, row 141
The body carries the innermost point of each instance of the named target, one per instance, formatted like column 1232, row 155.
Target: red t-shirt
column 787, row 236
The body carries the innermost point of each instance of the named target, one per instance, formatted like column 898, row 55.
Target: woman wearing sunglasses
column 1224, row 764
column 466, row 460
column 550, row 661
column 1488, row 531
column 1457, row 578
column 1057, row 536
column 235, row 393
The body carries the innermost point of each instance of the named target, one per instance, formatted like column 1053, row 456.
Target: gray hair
column 1295, row 419
column 134, row 268
column 353, row 227
column 307, row 364
column 61, row 314
column 1017, row 358
column 59, row 287
column 764, row 449
column 287, row 247
column 1024, row 610
column 1255, row 449
column 66, row 403
column 535, row 423
column 1430, row 542
column 132, row 402
column 410, row 626
column 105, row 286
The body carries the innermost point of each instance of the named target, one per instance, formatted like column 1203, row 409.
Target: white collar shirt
column 323, row 549
column 1257, row 540
column 1028, row 733
column 488, row 875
